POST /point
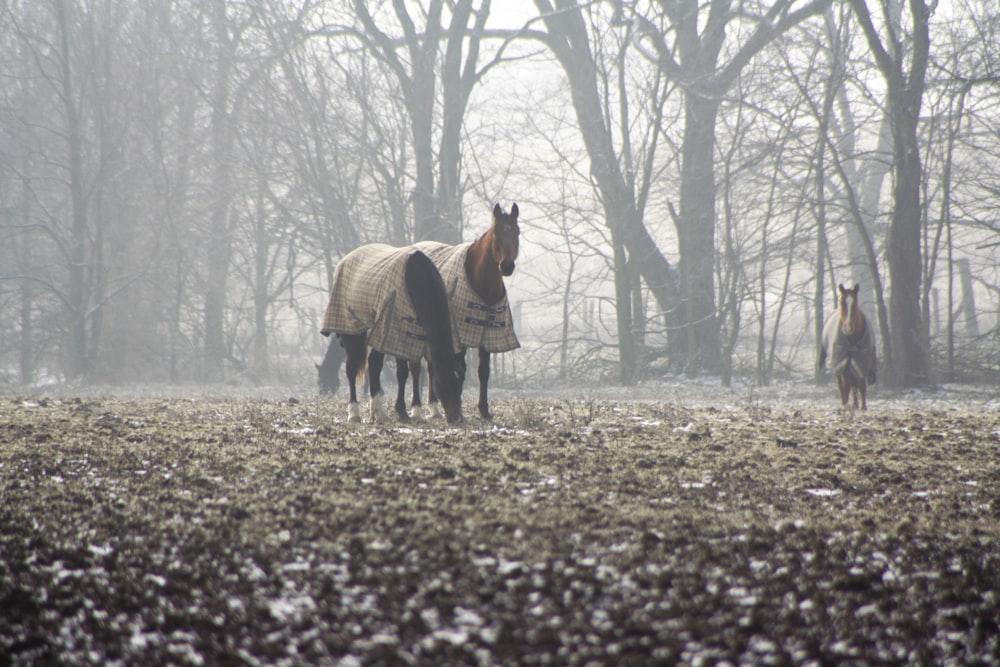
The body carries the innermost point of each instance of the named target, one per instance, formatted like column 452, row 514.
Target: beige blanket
column 479, row 325
column 855, row 357
column 369, row 294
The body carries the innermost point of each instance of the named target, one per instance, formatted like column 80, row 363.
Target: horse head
column 328, row 372
column 505, row 238
column 851, row 320
column 448, row 379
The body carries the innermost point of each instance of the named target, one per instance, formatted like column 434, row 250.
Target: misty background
column 178, row 179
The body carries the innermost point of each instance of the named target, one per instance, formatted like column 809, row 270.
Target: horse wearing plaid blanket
column 850, row 344
column 393, row 301
column 473, row 274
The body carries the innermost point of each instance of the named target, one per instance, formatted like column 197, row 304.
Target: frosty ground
column 662, row 525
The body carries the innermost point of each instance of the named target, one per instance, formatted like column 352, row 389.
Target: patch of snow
column 156, row 580
column 291, row 608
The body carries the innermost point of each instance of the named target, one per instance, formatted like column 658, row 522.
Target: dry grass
column 234, row 531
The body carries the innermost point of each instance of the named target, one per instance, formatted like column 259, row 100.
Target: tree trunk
column 912, row 357
column 568, row 39
column 696, row 234
column 78, row 364
column 219, row 242
column 910, row 365
column 623, row 316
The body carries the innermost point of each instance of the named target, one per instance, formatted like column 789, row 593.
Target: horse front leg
column 845, row 390
column 376, row 360
column 354, row 348
column 402, row 374
column 863, row 388
column 433, row 406
column 484, row 381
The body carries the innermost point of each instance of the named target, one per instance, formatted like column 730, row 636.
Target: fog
column 178, row 181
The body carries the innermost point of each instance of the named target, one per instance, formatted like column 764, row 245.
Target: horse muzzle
column 453, row 410
column 507, row 267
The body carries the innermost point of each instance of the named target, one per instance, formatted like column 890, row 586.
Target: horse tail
column 363, row 366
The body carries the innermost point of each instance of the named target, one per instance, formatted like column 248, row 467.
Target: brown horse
column 849, row 342
column 474, row 274
column 490, row 258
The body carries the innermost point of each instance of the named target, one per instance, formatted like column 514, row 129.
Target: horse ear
column 497, row 211
column 513, row 209
column 856, row 287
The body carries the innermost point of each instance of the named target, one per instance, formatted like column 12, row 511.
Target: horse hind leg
column 375, row 361
column 354, row 367
column 402, row 374
column 863, row 388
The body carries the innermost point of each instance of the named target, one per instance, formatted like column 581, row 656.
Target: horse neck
column 483, row 270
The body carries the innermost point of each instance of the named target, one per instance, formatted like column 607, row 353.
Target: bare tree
column 622, row 179
column 436, row 206
column 903, row 62
column 687, row 42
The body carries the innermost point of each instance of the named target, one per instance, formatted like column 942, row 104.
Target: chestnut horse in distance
column 850, row 344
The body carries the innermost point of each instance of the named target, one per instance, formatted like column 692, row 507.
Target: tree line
column 178, row 178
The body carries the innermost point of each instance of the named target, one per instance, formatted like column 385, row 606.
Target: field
column 668, row 526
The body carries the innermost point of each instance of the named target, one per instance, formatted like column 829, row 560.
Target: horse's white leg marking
column 434, row 410
column 353, row 412
column 378, row 412
column 417, row 413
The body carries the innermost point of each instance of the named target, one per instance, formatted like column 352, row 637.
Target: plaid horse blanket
column 478, row 324
column 369, row 294
column 854, row 357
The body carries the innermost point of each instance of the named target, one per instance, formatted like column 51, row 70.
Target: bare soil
column 653, row 529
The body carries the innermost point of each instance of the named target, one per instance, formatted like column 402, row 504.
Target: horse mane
column 430, row 302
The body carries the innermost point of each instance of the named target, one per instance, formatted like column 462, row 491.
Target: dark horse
column 373, row 314
column 328, row 377
column 849, row 342
column 481, row 312
column 328, row 371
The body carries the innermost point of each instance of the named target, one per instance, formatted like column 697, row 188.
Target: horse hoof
column 418, row 414
column 433, row 411
column 378, row 413
column 353, row 413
